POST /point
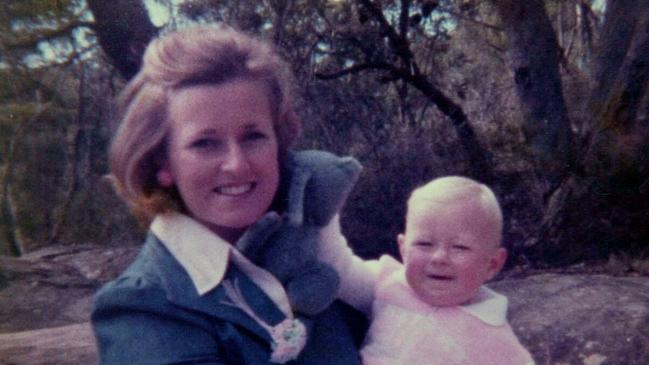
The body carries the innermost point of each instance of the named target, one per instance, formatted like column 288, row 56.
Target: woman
column 204, row 128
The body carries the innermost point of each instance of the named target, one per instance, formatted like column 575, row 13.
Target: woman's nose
column 235, row 158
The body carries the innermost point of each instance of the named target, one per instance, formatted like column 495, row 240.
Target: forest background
column 545, row 101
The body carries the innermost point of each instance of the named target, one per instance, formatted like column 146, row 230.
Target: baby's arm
column 357, row 276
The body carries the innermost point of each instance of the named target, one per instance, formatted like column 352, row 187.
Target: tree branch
column 357, row 69
column 475, row 21
column 398, row 42
column 404, row 18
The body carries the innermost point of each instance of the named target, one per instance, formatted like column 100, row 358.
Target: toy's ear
column 319, row 184
column 297, row 195
column 328, row 190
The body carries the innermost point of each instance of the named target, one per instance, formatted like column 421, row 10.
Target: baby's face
column 449, row 251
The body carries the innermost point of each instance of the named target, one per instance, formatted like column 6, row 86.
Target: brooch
column 288, row 337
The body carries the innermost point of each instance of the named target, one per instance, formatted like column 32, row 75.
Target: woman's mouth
column 235, row 190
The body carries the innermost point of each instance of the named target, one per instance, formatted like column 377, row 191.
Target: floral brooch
column 288, row 336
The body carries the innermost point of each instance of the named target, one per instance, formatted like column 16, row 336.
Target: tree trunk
column 124, row 29
column 616, row 35
column 8, row 224
column 76, row 135
column 535, row 58
column 602, row 209
column 8, row 221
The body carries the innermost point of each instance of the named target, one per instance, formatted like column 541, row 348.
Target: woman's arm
column 137, row 325
column 357, row 276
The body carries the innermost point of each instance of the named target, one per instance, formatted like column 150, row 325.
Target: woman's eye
column 204, row 143
column 254, row 136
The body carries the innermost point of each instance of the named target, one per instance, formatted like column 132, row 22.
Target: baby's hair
column 459, row 189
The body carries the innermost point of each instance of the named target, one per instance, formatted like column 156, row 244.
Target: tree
column 580, row 102
column 401, row 63
column 604, row 181
column 54, row 103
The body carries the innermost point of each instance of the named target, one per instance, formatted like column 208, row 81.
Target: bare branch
column 357, row 69
column 404, row 18
column 475, row 21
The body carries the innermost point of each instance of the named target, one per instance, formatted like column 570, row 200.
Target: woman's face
column 222, row 154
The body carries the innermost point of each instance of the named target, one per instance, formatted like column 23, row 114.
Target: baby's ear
column 497, row 261
column 401, row 241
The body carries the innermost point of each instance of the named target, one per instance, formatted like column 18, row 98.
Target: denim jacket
column 152, row 314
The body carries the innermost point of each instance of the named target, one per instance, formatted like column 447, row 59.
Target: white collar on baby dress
column 488, row 306
column 205, row 256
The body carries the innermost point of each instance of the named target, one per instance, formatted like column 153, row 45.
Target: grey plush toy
column 287, row 246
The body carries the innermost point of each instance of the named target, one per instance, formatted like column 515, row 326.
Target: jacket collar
column 181, row 290
column 200, row 252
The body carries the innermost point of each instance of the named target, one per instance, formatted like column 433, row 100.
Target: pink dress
column 407, row 331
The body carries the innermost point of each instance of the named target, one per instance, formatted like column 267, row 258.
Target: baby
column 433, row 308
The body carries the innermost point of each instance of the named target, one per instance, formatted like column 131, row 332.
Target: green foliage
column 41, row 31
column 36, row 10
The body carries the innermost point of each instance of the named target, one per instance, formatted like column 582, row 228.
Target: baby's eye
column 423, row 244
column 461, row 248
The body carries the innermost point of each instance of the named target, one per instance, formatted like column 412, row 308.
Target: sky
column 159, row 14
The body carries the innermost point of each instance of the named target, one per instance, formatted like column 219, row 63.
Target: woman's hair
column 457, row 190
column 197, row 55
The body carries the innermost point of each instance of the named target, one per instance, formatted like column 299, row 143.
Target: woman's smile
column 235, row 190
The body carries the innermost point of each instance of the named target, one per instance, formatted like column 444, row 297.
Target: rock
column 580, row 319
column 72, row 344
column 562, row 319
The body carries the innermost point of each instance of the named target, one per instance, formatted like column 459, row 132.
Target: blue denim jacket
column 152, row 314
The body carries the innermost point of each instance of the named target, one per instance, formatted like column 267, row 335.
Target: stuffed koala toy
column 318, row 184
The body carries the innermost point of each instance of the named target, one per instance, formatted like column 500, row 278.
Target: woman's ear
column 164, row 176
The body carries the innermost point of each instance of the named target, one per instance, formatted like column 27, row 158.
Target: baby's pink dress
column 407, row 331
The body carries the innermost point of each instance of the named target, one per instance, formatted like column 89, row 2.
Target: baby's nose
column 439, row 254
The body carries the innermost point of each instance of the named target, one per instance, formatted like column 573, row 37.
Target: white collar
column 200, row 252
column 205, row 256
column 488, row 306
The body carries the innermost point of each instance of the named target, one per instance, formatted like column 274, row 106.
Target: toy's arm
column 254, row 239
column 357, row 276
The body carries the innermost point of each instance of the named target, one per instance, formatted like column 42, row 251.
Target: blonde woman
column 204, row 129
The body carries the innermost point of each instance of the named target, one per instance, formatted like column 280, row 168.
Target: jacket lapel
column 182, row 292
